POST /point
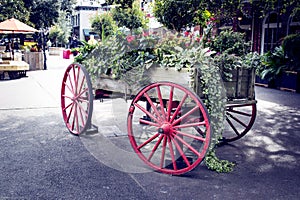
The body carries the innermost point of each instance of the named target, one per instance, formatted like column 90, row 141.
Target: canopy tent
column 14, row 26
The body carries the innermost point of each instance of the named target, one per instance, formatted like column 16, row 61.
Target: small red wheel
column 240, row 118
column 169, row 128
column 77, row 99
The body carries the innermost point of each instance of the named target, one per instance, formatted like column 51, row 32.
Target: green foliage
column 104, row 25
column 215, row 164
column 60, row 32
column 230, row 42
column 11, row 8
column 121, row 55
column 291, row 46
column 232, row 52
column 84, row 51
column 37, row 13
column 273, row 64
column 122, row 3
column 67, row 6
column 176, row 15
column 129, row 17
column 45, row 13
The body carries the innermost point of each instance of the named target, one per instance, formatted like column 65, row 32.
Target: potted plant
column 272, row 66
column 290, row 79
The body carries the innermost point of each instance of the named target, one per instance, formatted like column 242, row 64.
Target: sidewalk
column 41, row 160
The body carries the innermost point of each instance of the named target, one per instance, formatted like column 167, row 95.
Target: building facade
column 81, row 19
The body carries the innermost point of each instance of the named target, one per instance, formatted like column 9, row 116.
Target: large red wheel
column 169, row 128
column 240, row 118
column 77, row 99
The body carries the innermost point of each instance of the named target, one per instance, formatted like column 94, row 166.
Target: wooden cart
column 168, row 125
column 13, row 69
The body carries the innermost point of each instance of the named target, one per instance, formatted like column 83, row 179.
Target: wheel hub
column 165, row 128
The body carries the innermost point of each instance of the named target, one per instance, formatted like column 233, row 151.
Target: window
column 271, row 32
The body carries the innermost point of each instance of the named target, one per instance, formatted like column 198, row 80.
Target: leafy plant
column 273, row 64
column 83, row 51
column 104, row 25
column 230, row 42
column 129, row 15
column 291, row 47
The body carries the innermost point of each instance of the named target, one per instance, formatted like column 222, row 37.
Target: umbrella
column 15, row 26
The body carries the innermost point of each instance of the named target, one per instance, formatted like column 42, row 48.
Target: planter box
column 266, row 83
column 241, row 85
column 290, row 81
column 35, row 60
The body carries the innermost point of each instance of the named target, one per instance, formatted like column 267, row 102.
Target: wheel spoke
column 185, row 115
column 153, row 106
column 81, row 109
column 80, row 94
column 190, row 136
column 163, row 152
column 172, row 153
column 239, row 112
column 81, row 84
column 232, row 126
column 67, row 106
column 67, row 97
column 187, row 145
column 200, row 131
column 142, row 121
column 237, row 120
column 189, row 125
column 148, row 141
column 162, row 108
column 179, row 107
column 170, row 103
column 181, row 152
column 71, row 110
column 75, row 80
column 146, row 112
column 72, row 87
column 155, row 147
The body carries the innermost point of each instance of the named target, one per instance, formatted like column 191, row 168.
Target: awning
column 86, row 32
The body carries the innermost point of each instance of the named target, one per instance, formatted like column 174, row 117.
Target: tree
column 104, row 24
column 128, row 14
column 67, row 6
column 122, row 3
column 45, row 13
column 176, row 14
column 14, row 8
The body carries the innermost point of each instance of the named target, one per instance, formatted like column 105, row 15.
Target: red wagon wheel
column 240, row 118
column 169, row 128
column 77, row 99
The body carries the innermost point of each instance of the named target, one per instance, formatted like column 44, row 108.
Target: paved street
column 41, row 160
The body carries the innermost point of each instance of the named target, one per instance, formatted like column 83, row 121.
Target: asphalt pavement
column 40, row 160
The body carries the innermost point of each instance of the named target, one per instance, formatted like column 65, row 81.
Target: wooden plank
column 14, row 66
column 154, row 74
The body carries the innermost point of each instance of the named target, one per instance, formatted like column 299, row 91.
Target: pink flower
column 130, row 38
column 145, row 34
